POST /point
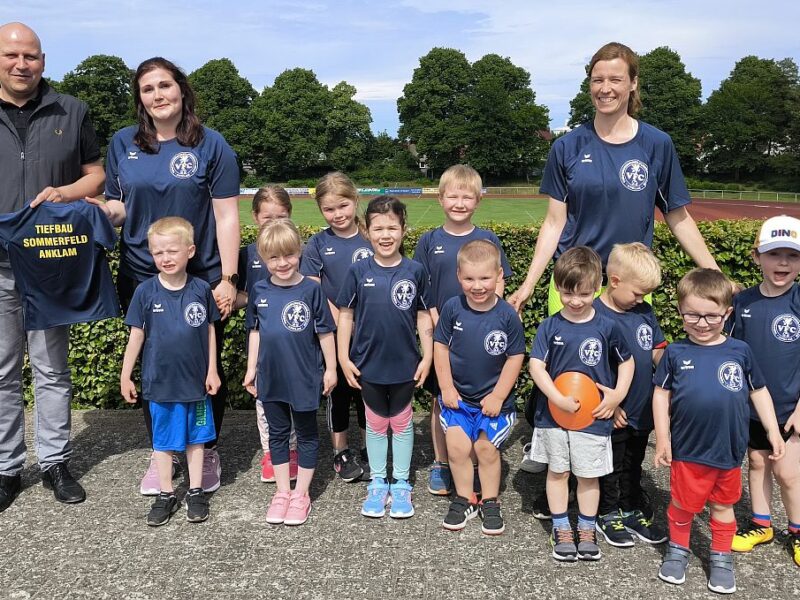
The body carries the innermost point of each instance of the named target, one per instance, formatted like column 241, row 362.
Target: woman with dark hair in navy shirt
column 606, row 177
column 168, row 164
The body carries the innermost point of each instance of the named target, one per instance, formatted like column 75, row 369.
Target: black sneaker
column 587, row 545
column 461, row 510
column 613, row 530
column 541, row 509
column 643, row 528
column 363, row 461
column 196, row 505
column 493, row 523
column 164, row 506
column 346, row 466
column 563, row 543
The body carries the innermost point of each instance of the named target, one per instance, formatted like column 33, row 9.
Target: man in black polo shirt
column 48, row 151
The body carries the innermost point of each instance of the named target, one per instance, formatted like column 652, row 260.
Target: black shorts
column 758, row 436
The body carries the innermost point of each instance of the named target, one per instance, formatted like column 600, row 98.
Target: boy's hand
column 566, row 403
column 793, row 422
column 450, row 398
column 491, row 405
column 663, row 455
column 329, row 381
column 777, row 443
column 351, row 374
column 611, row 400
column 249, row 382
column 128, row 391
column 620, row 418
column 213, row 383
column 422, row 372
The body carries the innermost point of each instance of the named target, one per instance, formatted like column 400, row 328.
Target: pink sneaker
column 292, row 465
column 212, row 470
column 267, row 470
column 276, row 513
column 150, row 485
column 299, row 508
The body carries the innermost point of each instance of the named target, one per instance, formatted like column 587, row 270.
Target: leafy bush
column 97, row 348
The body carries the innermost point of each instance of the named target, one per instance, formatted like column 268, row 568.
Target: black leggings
column 622, row 489
column 125, row 288
column 280, row 417
column 387, row 400
column 339, row 403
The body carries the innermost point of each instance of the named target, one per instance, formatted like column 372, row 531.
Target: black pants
column 339, row 403
column 622, row 489
column 387, row 400
column 280, row 417
column 125, row 288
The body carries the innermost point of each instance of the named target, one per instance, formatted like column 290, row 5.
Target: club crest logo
column 403, row 294
column 195, row 314
column 361, row 254
column 183, row 165
column 590, row 352
column 644, row 336
column 633, row 175
column 496, row 342
column 295, row 316
column 731, row 376
column 786, row 328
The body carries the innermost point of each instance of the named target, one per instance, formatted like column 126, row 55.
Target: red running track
column 711, row 210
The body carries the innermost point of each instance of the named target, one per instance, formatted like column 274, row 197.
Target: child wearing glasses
column 701, row 407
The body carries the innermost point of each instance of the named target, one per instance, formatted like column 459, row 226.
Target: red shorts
column 692, row 485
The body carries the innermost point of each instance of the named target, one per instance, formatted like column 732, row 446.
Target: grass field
column 425, row 212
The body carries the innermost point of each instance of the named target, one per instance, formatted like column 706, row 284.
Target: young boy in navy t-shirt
column 478, row 352
column 704, row 385
column 460, row 190
column 170, row 317
column 577, row 339
column 633, row 272
column 767, row 317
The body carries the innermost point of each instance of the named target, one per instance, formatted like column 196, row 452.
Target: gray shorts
column 585, row 454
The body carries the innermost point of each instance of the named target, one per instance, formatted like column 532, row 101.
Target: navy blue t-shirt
column 710, row 396
column 385, row 302
column 177, row 181
column 329, row 256
column 437, row 251
column 175, row 323
column 58, row 257
column 639, row 327
column 289, row 320
column 593, row 348
column 771, row 326
column 479, row 343
column 611, row 190
column 251, row 268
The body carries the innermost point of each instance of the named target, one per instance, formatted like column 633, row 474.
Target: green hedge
column 97, row 348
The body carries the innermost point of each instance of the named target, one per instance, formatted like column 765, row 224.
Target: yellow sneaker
column 793, row 546
column 750, row 536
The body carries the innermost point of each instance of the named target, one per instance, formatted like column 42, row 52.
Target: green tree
column 747, row 119
column 350, row 139
column 104, row 83
column 581, row 109
column 434, row 106
column 504, row 119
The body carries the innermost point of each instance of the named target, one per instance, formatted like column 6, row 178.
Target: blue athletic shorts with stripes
column 180, row 424
column 472, row 421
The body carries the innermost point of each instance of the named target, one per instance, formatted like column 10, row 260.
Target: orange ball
column 581, row 387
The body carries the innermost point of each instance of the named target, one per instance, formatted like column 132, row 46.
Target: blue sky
column 376, row 45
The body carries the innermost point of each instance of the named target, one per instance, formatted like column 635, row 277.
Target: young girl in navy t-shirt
column 383, row 302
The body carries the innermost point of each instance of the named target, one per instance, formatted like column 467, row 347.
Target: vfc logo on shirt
column 786, row 328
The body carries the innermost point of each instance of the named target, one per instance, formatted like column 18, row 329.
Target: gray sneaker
column 721, row 578
column 673, row 567
column 587, row 545
column 563, row 543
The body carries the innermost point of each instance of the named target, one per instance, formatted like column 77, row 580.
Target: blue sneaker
column 440, row 481
column 401, row 500
column 377, row 498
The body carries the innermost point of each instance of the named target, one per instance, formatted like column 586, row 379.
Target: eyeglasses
column 694, row 318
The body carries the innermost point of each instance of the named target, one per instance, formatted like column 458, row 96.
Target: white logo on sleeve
column 731, row 376
column 403, row 294
column 361, row 254
column 644, row 336
column 183, row 165
column 633, row 175
column 786, row 328
column 496, row 342
column 295, row 316
column 195, row 314
column 590, row 352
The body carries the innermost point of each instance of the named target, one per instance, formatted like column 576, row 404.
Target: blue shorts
column 472, row 421
column 180, row 424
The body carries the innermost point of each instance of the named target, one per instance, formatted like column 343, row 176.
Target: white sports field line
column 422, row 216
